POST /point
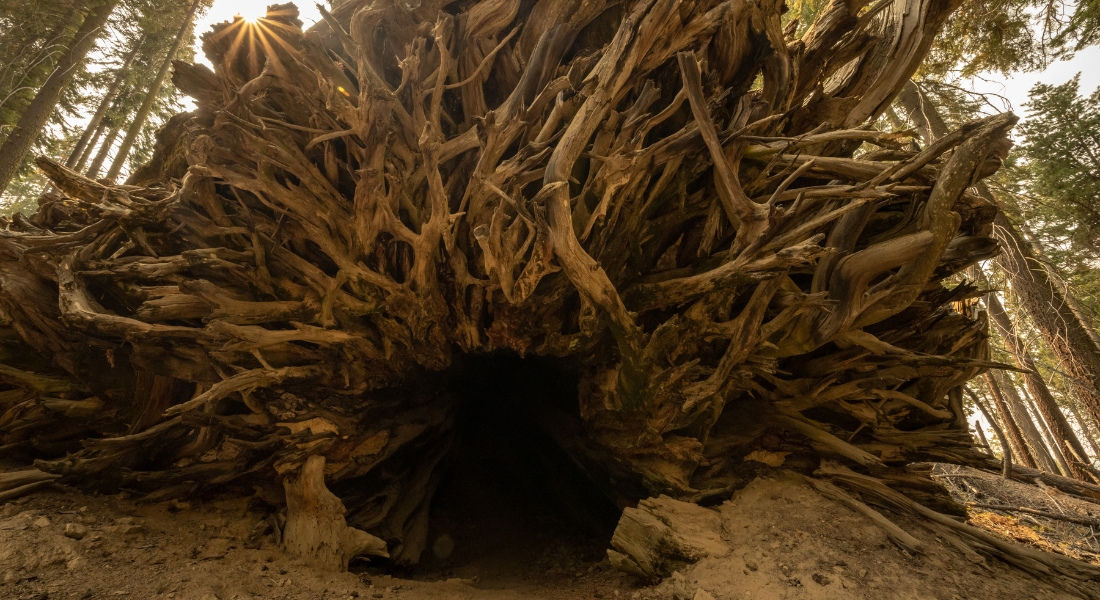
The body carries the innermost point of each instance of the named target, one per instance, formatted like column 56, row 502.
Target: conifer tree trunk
column 104, row 150
column 19, row 143
column 1056, row 449
column 1047, row 305
column 1044, row 400
column 142, row 115
column 1086, row 433
column 1007, row 447
column 24, row 77
column 94, row 125
column 82, row 160
column 1011, row 428
column 1033, row 437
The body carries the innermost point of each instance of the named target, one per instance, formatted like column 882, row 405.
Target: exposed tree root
column 681, row 200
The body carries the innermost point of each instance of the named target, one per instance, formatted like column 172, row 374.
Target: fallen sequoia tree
column 680, row 204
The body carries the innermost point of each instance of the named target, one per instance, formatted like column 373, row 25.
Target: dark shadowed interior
column 512, row 501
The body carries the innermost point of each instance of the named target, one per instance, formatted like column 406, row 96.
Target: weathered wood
column 663, row 535
column 315, row 528
column 665, row 195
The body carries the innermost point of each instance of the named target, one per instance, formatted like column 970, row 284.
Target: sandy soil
column 787, row 542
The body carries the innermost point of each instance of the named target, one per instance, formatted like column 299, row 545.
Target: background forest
column 88, row 83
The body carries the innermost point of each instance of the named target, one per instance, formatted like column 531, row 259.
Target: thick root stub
column 663, row 535
column 316, row 530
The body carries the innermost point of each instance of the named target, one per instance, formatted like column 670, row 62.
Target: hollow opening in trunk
column 515, row 499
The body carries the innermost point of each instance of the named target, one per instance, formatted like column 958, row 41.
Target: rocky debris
column 75, row 531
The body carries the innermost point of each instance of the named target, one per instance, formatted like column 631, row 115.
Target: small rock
column 820, row 579
column 701, row 594
column 75, row 531
column 41, row 522
column 10, row 577
column 751, row 565
column 75, row 563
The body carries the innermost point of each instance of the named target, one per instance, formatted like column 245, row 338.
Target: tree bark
column 1046, row 304
column 18, row 144
column 104, row 151
column 1044, row 400
column 1032, row 435
column 1011, row 428
column 1083, row 424
column 1006, row 444
column 86, row 153
column 137, row 123
column 1053, row 445
column 82, row 148
column 17, row 95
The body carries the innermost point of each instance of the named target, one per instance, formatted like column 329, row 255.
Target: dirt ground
column 787, row 542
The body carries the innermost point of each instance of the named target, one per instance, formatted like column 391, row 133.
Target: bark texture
column 1047, row 304
column 1060, row 428
column 662, row 195
column 1010, row 427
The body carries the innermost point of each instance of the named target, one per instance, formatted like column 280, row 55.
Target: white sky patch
column 1014, row 88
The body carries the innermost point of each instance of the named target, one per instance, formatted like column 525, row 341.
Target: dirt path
column 788, row 543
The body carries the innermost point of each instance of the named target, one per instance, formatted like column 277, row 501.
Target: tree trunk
column 1044, row 400
column 1009, row 425
column 1032, row 436
column 18, row 144
column 80, row 151
column 86, row 153
column 1053, row 445
column 1086, row 433
column 104, row 151
column 1006, row 443
column 26, row 76
column 137, row 123
column 1045, row 302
